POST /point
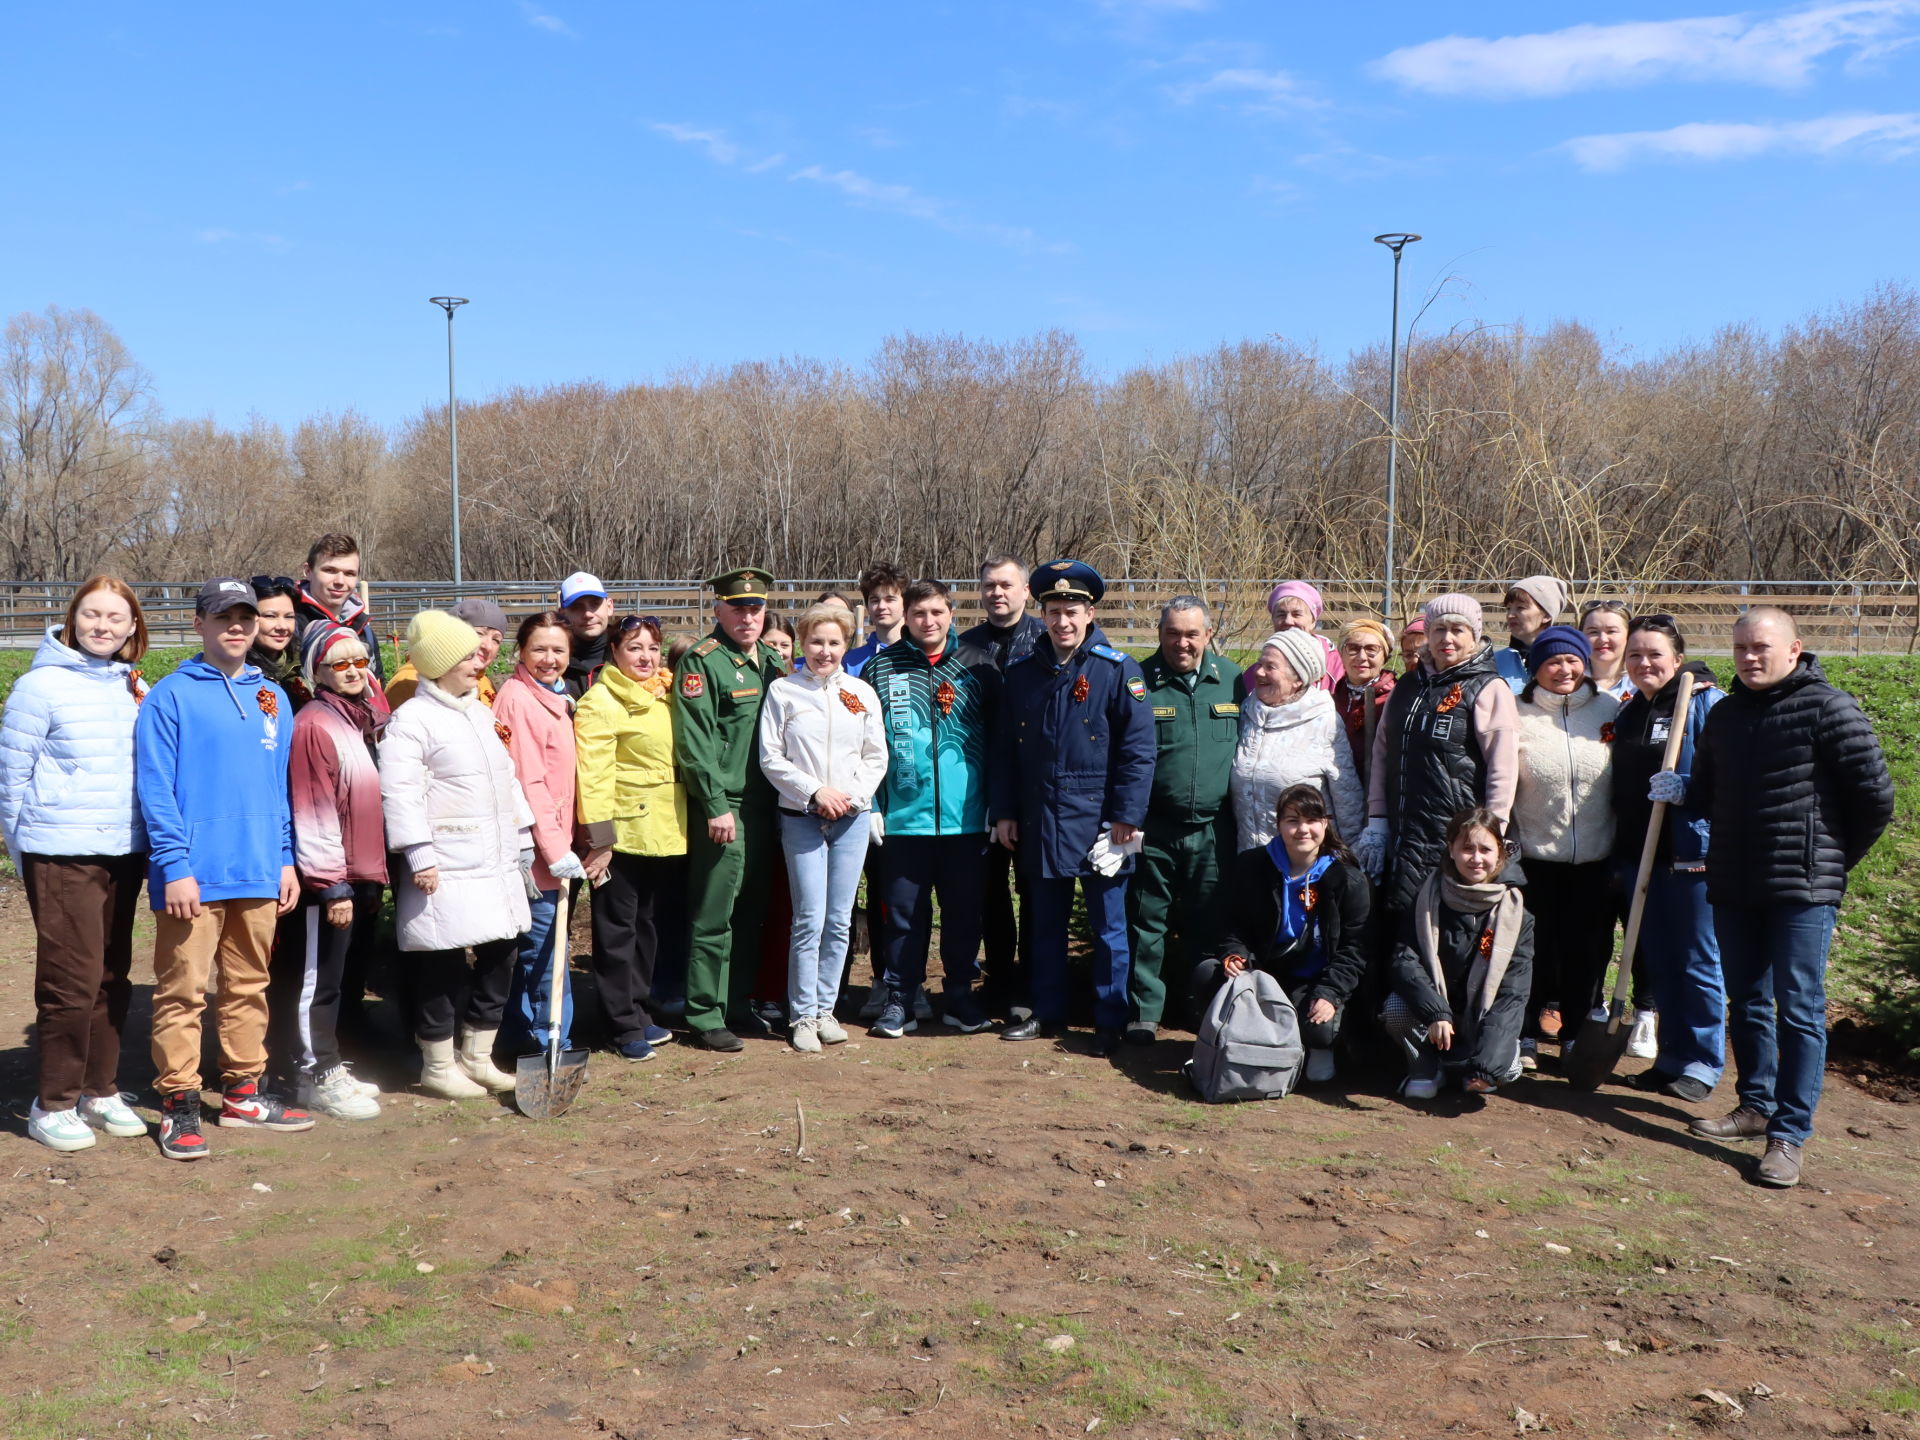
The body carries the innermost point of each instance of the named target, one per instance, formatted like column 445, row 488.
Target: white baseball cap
column 580, row 583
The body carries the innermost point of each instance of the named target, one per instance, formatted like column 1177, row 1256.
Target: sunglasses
column 340, row 667
column 638, row 622
column 1592, row 605
column 263, row 583
column 1655, row 621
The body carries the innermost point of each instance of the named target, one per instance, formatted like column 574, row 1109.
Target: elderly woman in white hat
column 1291, row 734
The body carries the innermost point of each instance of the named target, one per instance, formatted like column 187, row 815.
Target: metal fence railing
column 1852, row 617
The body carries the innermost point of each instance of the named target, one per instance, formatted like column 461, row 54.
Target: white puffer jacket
column 1302, row 743
column 451, row 802
column 1563, row 806
column 66, row 756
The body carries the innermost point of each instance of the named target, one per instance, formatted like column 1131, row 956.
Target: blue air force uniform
column 1073, row 752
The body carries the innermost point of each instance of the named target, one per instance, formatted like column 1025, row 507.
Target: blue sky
column 260, row 198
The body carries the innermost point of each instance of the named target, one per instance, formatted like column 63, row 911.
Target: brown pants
column 237, row 937
column 83, row 908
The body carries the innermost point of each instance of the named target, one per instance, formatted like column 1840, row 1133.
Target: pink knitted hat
column 1299, row 590
column 1454, row 606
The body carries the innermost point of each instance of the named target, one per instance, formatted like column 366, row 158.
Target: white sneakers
column 1421, row 1087
column 69, row 1130
column 113, row 1115
column 339, row 1095
column 1644, row 1042
column 810, row 1033
column 59, row 1129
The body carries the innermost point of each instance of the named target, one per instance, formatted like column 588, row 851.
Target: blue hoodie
column 210, row 765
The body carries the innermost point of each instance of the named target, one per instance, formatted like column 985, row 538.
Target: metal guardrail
column 1857, row 617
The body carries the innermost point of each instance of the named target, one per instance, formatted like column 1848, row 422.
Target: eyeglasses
column 340, row 667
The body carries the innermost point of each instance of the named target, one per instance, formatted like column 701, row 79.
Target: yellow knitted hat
column 437, row 641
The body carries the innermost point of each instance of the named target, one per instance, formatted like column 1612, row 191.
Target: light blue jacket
column 211, row 767
column 66, row 756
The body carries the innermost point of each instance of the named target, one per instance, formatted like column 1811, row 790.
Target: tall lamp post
column 1396, row 243
column 450, row 303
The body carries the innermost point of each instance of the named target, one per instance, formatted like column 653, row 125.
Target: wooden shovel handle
column 1683, row 702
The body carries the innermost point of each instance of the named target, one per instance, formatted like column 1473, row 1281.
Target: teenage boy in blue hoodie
column 211, row 748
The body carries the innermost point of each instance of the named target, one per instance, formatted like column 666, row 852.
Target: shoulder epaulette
column 1107, row 652
column 707, row 646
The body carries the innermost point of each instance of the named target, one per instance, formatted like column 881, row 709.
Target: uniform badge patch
column 1136, row 687
column 693, row 685
column 1164, row 712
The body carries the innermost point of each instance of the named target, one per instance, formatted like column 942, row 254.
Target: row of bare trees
column 1748, row 456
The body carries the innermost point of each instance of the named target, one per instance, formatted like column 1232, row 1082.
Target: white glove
column 567, row 867
column 1667, row 787
column 526, row 873
column 1106, row 858
column 1371, row 848
column 876, row 828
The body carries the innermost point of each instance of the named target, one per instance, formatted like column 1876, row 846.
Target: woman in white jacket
column 457, row 817
column 1291, row 734
column 1563, row 819
column 822, row 747
column 73, row 828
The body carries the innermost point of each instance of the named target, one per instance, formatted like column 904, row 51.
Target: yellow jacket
column 406, row 680
column 623, row 736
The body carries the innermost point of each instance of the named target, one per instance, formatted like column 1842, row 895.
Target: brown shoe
column 1740, row 1124
column 1780, row 1166
column 1548, row 1021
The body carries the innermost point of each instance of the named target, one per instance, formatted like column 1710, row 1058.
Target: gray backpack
column 1248, row 1047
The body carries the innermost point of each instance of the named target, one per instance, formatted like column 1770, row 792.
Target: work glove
column 876, row 828
column 567, row 867
column 526, row 873
column 1668, row 787
column 1106, row 858
column 1371, row 848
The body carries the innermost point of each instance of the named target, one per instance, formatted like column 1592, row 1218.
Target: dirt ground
column 979, row 1239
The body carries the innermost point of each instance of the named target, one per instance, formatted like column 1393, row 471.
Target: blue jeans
column 1052, row 908
column 1683, row 968
column 1775, row 960
column 824, row 859
column 528, row 1010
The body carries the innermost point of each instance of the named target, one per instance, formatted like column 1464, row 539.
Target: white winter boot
column 476, row 1058
column 439, row 1075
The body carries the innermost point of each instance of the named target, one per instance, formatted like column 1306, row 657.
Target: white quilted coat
column 451, row 801
column 1563, row 806
column 1302, row 743
column 66, row 757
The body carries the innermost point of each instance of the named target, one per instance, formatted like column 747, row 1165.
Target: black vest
column 1435, row 767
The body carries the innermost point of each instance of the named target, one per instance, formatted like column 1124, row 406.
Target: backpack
column 1248, row 1046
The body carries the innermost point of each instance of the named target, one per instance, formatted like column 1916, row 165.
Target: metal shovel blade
column 1597, row 1048
column 544, row 1085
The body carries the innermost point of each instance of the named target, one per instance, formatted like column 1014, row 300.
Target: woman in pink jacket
column 534, row 716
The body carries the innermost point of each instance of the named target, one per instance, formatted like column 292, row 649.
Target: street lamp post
column 1395, row 242
column 450, row 303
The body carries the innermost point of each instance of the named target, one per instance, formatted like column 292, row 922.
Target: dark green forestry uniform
column 717, row 694
column 1189, row 830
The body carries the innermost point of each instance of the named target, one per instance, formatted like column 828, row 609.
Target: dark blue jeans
column 913, row 869
column 1774, row 958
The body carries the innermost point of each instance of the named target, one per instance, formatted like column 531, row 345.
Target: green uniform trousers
column 1175, row 890
column 727, row 896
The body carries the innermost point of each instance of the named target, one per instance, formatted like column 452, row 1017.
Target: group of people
column 1442, row 855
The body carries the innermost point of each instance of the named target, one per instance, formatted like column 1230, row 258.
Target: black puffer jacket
column 1435, row 766
column 1796, row 788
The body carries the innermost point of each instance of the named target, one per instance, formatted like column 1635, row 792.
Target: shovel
column 1603, row 1034
column 544, row 1085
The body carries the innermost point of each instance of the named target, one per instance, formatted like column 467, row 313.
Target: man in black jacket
column 1793, row 779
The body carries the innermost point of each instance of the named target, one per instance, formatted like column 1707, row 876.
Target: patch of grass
column 1903, row 1399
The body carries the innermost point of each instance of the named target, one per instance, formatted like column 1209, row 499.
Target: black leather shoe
column 1027, row 1029
column 1106, row 1042
column 1650, row 1082
column 1688, row 1089
column 1141, row 1033
column 722, row 1039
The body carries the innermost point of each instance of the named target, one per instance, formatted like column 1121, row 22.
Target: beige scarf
column 1491, row 961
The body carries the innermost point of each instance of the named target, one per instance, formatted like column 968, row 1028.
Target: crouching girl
column 1300, row 908
column 1463, row 967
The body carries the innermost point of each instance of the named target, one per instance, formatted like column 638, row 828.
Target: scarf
column 1502, row 906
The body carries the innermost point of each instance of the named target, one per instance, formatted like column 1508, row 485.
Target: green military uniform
column 718, row 692
column 1189, row 830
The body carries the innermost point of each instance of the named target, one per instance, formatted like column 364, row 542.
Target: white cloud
column 1777, row 50
column 1263, row 91
column 1882, row 137
column 718, row 147
column 541, row 20
column 865, row 191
